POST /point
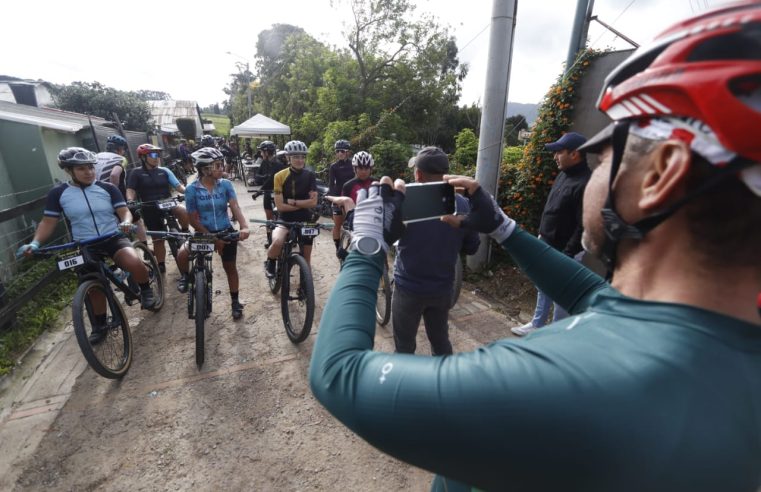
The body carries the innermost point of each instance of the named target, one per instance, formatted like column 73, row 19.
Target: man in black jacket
column 560, row 226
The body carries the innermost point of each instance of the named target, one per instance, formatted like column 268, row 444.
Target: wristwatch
column 365, row 245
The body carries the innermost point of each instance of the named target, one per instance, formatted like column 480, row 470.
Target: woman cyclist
column 207, row 199
column 92, row 208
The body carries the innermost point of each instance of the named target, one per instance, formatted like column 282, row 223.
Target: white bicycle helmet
column 362, row 159
column 205, row 156
column 296, row 147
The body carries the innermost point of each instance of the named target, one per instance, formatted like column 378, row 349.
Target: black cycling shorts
column 154, row 219
column 268, row 201
column 230, row 251
column 135, row 210
column 111, row 246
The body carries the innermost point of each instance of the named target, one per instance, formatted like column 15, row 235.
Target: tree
column 391, row 159
column 466, row 153
column 145, row 95
column 513, row 125
column 96, row 99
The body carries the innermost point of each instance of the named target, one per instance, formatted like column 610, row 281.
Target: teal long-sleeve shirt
column 623, row 395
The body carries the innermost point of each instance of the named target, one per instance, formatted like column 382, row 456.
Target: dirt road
column 246, row 421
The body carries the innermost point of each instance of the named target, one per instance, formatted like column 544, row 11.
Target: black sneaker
column 98, row 335
column 269, row 266
column 237, row 310
column 162, row 267
column 182, row 283
column 147, row 298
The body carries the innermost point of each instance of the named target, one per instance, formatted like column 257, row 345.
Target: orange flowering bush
column 524, row 185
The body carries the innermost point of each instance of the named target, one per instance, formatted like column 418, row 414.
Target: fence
column 9, row 308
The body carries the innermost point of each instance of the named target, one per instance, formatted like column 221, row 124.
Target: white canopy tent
column 260, row 126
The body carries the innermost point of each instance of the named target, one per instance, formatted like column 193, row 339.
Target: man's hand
column 243, row 234
column 126, row 227
column 379, row 212
column 485, row 215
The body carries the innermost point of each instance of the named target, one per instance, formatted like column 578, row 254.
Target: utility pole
column 495, row 109
column 580, row 31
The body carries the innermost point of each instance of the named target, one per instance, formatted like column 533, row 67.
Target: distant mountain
column 528, row 110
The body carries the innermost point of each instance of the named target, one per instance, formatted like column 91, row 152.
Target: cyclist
column 92, row 208
column 282, row 156
column 207, row 199
column 267, row 170
column 654, row 381
column 339, row 173
column 150, row 183
column 208, row 141
column 363, row 163
column 295, row 191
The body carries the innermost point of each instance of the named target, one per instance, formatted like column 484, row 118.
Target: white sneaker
column 524, row 330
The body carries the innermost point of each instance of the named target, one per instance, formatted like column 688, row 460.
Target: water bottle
column 121, row 275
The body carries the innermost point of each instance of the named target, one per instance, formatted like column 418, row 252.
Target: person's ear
column 418, row 176
column 665, row 179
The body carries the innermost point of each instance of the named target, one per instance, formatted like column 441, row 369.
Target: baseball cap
column 431, row 160
column 569, row 141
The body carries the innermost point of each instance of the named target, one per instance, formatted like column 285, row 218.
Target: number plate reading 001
column 70, row 262
column 202, row 247
column 309, row 231
column 167, row 204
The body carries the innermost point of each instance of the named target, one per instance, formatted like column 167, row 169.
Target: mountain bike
column 293, row 278
column 201, row 250
column 383, row 302
column 165, row 207
column 111, row 356
column 275, row 216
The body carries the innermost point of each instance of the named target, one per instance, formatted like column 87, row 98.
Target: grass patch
column 37, row 315
column 221, row 123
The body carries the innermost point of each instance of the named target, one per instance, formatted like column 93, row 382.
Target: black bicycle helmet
column 208, row 141
column 205, row 156
column 115, row 141
column 267, row 146
column 342, row 145
column 75, row 156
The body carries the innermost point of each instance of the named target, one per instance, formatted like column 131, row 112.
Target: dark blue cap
column 569, row 141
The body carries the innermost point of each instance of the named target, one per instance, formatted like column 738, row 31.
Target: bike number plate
column 309, row 231
column 70, row 262
column 202, row 247
column 167, row 204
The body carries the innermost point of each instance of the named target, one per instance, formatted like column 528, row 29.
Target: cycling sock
column 145, row 286
column 234, row 297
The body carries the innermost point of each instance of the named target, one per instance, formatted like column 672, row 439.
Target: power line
column 476, row 36
column 613, row 23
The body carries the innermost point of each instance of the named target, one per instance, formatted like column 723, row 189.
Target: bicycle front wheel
column 154, row 274
column 383, row 303
column 344, row 243
column 102, row 330
column 200, row 314
column 297, row 299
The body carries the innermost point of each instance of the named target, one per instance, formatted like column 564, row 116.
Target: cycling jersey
column 211, row 207
column 338, row 174
column 268, row 169
column 297, row 185
column 152, row 184
column 91, row 211
column 107, row 161
column 626, row 395
column 352, row 187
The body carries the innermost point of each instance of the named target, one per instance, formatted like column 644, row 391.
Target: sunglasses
column 341, row 151
column 154, row 155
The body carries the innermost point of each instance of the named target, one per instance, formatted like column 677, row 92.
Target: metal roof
column 54, row 119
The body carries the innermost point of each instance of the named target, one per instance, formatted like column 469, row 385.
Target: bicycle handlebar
column 225, row 236
column 291, row 224
column 74, row 244
column 137, row 203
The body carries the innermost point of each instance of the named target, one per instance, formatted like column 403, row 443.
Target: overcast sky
column 138, row 45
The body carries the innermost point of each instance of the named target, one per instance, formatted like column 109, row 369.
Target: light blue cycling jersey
column 91, row 210
column 211, row 207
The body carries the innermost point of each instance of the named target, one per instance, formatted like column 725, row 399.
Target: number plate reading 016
column 202, row 247
column 71, row 261
column 167, row 204
column 309, row 231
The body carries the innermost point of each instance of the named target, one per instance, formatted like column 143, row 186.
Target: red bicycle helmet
column 707, row 67
column 146, row 148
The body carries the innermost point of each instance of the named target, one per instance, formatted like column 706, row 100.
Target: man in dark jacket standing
column 561, row 226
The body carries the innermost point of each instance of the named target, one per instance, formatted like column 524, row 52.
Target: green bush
column 391, row 159
column 463, row 160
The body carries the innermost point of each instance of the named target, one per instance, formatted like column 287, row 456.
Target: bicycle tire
column 344, row 243
column 457, row 284
column 200, row 314
column 174, row 244
column 383, row 303
column 293, row 301
column 111, row 358
column 154, row 274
